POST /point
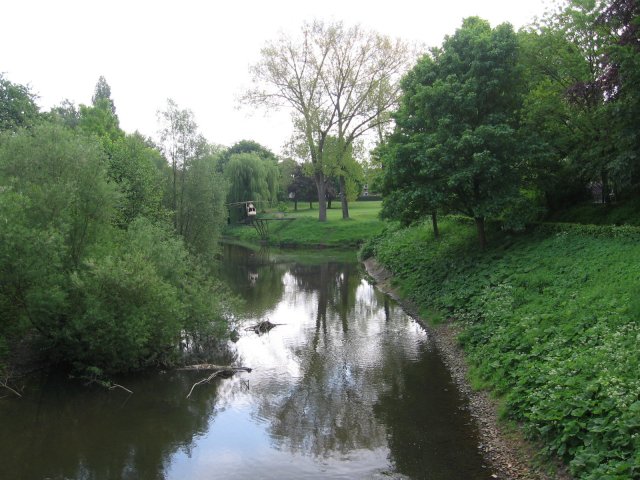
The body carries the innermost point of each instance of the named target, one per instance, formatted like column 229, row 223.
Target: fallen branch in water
column 4, row 382
column 115, row 385
column 211, row 366
column 219, row 371
column 263, row 327
column 108, row 384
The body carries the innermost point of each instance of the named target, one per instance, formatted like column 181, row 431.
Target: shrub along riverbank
column 550, row 325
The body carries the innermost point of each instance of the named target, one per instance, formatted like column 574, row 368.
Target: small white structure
column 251, row 209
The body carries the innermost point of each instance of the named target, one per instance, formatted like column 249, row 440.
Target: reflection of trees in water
column 83, row 433
column 330, row 409
column 254, row 277
column 429, row 433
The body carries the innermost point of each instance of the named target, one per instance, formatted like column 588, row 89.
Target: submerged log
column 263, row 327
column 212, row 367
column 216, row 371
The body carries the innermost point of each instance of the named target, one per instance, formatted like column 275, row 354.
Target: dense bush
column 100, row 292
column 550, row 323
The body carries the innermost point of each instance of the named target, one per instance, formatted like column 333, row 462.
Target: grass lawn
column 301, row 228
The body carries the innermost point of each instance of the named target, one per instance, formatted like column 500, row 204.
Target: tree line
column 502, row 124
column 493, row 123
column 108, row 239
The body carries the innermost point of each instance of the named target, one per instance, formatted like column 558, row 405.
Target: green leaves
column 455, row 137
column 82, row 268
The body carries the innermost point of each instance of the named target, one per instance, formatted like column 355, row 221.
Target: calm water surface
column 347, row 387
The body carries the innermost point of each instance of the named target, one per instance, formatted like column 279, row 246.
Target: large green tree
column 455, row 144
column 338, row 81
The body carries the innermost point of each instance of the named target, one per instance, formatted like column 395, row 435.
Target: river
column 347, row 386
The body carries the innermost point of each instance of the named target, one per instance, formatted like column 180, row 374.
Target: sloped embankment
column 549, row 324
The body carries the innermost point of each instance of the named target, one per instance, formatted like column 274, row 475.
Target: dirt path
column 511, row 457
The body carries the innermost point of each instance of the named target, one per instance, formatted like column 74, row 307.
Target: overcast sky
column 198, row 52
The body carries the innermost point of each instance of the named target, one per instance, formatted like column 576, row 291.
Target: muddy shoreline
column 510, row 456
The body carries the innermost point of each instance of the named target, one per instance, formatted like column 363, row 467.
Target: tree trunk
column 482, row 237
column 322, row 197
column 434, row 222
column 343, row 198
column 295, row 205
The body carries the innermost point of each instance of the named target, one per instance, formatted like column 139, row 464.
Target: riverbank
column 548, row 323
column 509, row 454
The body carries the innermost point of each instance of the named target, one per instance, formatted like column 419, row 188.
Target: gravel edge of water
column 507, row 452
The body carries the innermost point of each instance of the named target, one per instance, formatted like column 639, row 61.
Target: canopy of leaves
column 454, row 147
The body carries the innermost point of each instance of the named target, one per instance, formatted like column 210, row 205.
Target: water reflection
column 347, row 387
column 64, row 430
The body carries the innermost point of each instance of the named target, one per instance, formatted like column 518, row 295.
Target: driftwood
column 116, row 385
column 216, row 371
column 262, row 327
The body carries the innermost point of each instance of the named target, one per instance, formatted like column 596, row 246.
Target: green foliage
column 550, row 324
column 247, row 146
column 195, row 190
column 99, row 120
column 625, row 212
column 455, row 146
column 203, row 213
column 62, row 177
column 131, row 308
column 133, row 166
column 101, row 286
column 251, row 178
column 17, row 106
column 102, row 95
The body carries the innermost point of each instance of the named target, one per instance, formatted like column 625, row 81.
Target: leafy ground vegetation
column 550, row 324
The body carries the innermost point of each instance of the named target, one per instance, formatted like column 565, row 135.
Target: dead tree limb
column 115, row 385
column 218, row 371
column 5, row 385
column 4, row 382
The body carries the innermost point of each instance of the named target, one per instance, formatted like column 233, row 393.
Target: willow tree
column 337, row 81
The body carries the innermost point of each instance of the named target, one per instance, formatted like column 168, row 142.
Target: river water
column 348, row 386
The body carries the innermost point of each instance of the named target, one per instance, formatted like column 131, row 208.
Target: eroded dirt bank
column 511, row 457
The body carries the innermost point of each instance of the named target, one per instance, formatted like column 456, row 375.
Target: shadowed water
column 348, row 386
